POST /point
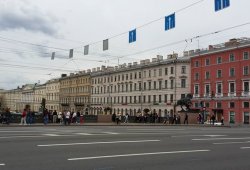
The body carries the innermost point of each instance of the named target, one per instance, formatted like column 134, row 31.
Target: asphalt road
column 124, row 147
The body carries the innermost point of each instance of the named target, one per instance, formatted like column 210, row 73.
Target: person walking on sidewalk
column 23, row 117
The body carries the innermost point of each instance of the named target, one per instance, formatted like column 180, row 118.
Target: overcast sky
column 30, row 30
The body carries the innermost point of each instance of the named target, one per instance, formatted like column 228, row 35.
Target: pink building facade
column 220, row 81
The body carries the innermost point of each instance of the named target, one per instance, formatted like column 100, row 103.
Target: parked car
column 216, row 123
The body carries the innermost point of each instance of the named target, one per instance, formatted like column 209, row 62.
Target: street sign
column 132, row 36
column 170, row 22
column 221, row 4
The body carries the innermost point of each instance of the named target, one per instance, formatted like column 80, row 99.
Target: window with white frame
column 219, row 73
column 231, row 87
column 231, row 57
column 232, row 117
column 207, row 62
column 231, row 105
column 245, row 70
column 246, row 86
column 232, row 72
column 207, row 89
column 245, row 105
column 196, row 89
column 219, row 88
column 245, row 55
column 218, row 105
column 219, row 60
column 183, row 83
column 196, row 63
column 246, row 117
column 183, row 69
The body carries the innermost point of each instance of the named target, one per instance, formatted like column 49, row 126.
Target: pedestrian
column 78, row 115
column 222, row 120
column 213, row 118
column 113, row 117
column 126, row 118
column 23, row 117
column 186, row 118
column 67, row 118
column 45, row 116
column 28, row 117
column 54, row 116
column 118, row 118
column 7, row 116
column 60, row 117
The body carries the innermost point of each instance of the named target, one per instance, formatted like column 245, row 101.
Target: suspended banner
column 53, row 56
column 86, row 49
column 221, row 4
column 170, row 22
column 105, row 44
column 71, row 53
column 132, row 36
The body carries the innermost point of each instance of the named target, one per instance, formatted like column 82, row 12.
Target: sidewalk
column 110, row 124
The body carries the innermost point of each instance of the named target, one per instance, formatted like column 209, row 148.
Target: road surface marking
column 111, row 133
column 221, row 138
column 179, row 136
column 136, row 154
column 225, row 143
column 1, row 164
column 52, row 135
column 83, row 134
column 94, row 143
column 155, row 129
column 244, row 147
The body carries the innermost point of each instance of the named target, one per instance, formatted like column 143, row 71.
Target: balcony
column 219, row 95
column 196, row 95
column 231, row 94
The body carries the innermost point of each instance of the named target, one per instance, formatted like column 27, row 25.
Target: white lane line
column 94, row 143
column 180, row 136
column 155, row 129
column 204, row 139
column 225, row 143
column 1, row 164
column 111, row 133
column 83, row 134
column 51, row 135
column 244, row 147
column 137, row 154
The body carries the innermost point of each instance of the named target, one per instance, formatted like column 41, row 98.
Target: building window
column 196, row 89
column 183, row 83
column 232, row 117
column 245, row 70
column 166, row 84
column 219, row 73
column 246, row 86
column 149, row 73
column 160, row 72
column 149, row 85
column 135, row 75
column 139, row 75
column 172, row 70
column 154, row 98
column 183, row 69
column 149, row 99
column 219, row 88
column 126, row 76
column 172, row 84
column 231, row 57
column 134, row 99
column 165, row 98
column 140, row 86
column 232, row 72
column 134, row 86
column 144, row 99
column 154, row 72
column 166, row 71
column 131, row 76
column 130, row 86
column 207, row 62
column 154, row 85
column 145, row 86
column 231, row 87
column 207, row 89
column 160, row 84
column 196, row 63
column 207, row 75
column 246, row 117
column 144, row 74
column 159, row 98
column 219, row 60
column 245, row 105
column 245, row 55
column 196, row 77
column 171, row 98
column 231, row 105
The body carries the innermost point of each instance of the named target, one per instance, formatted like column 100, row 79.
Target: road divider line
column 1, row 164
column 180, row 136
column 226, row 143
column 244, row 147
column 95, row 143
column 83, row 134
column 111, row 133
column 207, row 139
column 137, row 154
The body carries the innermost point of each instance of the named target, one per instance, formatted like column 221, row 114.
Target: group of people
column 27, row 117
column 5, row 116
column 65, row 117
